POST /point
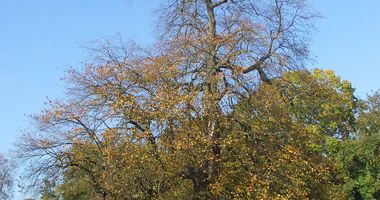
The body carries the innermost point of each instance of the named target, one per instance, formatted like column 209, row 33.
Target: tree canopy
column 220, row 107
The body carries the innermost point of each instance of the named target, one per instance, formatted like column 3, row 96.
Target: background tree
column 76, row 186
column 48, row 190
column 369, row 115
column 359, row 156
column 6, row 180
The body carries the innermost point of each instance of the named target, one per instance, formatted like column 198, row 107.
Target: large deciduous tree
column 209, row 112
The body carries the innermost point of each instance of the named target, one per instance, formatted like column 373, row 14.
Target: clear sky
column 39, row 39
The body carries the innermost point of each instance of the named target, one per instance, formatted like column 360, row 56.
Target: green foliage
column 359, row 157
column 275, row 146
column 322, row 99
column 368, row 121
column 76, row 186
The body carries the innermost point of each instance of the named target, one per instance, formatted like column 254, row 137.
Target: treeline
column 220, row 107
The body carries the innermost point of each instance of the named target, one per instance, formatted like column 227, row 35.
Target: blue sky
column 39, row 39
column 348, row 41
